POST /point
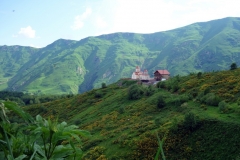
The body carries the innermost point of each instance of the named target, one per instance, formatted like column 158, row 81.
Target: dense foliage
column 26, row 99
column 37, row 139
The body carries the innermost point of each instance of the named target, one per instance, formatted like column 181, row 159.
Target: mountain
column 198, row 117
column 68, row 66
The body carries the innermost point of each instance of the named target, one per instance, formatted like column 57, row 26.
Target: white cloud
column 34, row 46
column 100, row 22
column 146, row 16
column 27, row 32
column 79, row 19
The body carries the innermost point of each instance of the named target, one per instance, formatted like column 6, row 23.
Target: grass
column 126, row 129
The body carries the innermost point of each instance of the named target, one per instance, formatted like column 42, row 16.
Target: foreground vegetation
column 197, row 116
column 37, row 139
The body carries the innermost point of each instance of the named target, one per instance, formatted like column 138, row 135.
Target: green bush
column 183, row 98
column 149, row 91
column 128, row 82
column 207, row 90
column 177, row 101
column 212, row 99
column 77, row 122
column 194, row 93
column 135, row 92
column 200, row 97
column 175, row 87
column 199, row 75
column 209, row 99
column 223, row 106
column 190, row 121
column 161, row 84
column 98, row 94
column 233, row 66
column 161, row 102
column 104, row 85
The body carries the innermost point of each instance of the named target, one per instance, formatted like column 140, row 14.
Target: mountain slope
column 11, row 60
column 124, row 128
column 67, row 66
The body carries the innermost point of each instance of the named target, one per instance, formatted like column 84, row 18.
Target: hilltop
column 68, row 66
column 197, row 115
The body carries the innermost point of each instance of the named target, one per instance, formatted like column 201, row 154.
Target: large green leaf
column 12, row 106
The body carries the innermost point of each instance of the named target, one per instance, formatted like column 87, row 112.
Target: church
column 140, row 75
column 159, row 75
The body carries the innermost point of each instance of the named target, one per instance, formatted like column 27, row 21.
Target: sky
column 38, row 23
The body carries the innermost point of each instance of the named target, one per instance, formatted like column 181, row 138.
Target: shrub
column 161, row 102
column 177, row 101
column 104, row 85
column 174, row 101
column 190, row 121
column 128, row 82
column 194, row 93
column 77, row 122
column 43, row 109
column 212, row 99
column 98, row 94
column 199, row 75
column 207, row 90
column 149, row 91
column 135, row 92
column 233, row 66
column 183, row 98
column 161, row 84
column 223, row 106
column 200, row 97
column 175, row 87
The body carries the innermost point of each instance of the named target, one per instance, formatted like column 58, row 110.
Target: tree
column 104, row 85
column 199, row 74
column 233, row 66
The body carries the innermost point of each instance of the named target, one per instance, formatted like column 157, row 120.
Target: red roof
column 163, row 72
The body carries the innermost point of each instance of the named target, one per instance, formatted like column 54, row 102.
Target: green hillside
column 11, row 60
column 67, row 66
column 198, row 115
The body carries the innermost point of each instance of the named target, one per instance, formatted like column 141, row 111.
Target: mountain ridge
column 69, row 66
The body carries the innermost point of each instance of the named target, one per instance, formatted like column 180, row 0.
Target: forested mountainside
column 68, row 66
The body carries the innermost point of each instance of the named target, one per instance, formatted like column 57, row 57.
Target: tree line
column 23, row 99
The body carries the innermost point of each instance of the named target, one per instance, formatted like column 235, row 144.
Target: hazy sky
column 38, row 23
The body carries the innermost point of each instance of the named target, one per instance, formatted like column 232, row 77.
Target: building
column 160, row 75
column 138, row 74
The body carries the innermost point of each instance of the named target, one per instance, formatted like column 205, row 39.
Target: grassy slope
column 67, row 66
column 126, row 129
column 11, row 60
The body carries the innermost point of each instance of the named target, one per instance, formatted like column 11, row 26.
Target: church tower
column 137, row 69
